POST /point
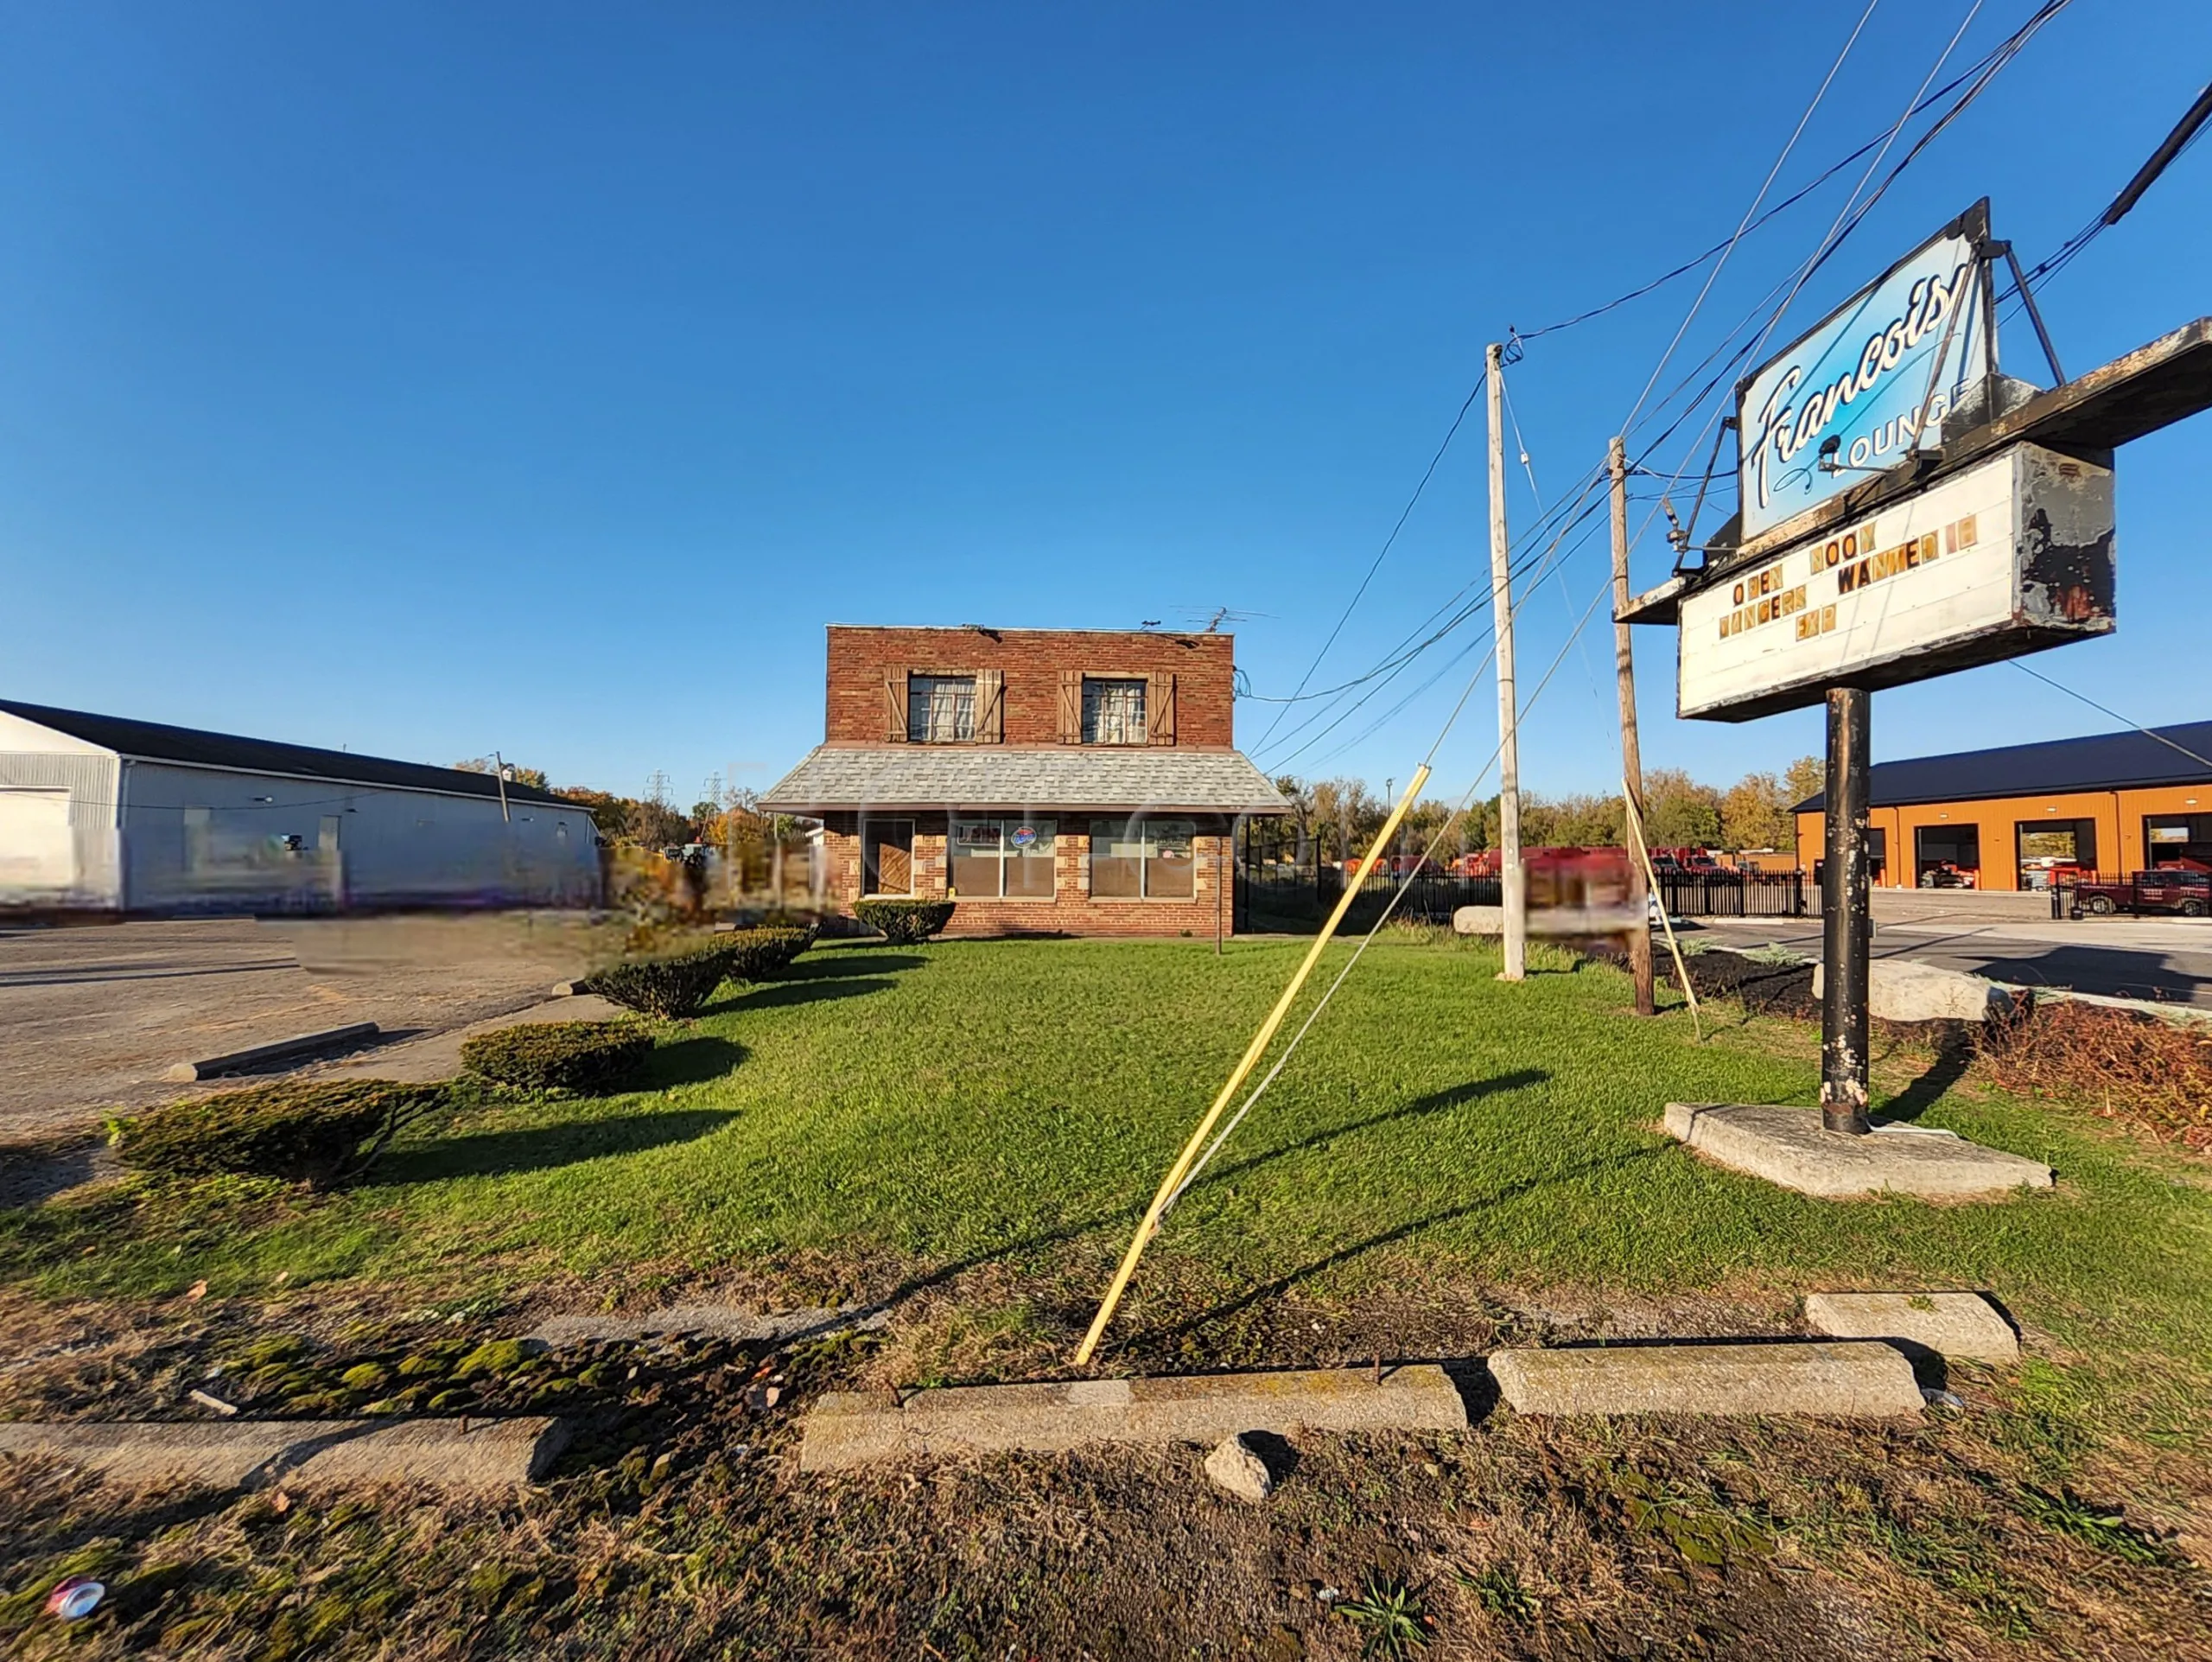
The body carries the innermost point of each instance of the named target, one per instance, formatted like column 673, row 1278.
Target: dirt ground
column 90, row 1017
column 678, row 1524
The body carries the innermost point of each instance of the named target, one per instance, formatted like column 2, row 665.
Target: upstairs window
column 941, row 709
column 1113, row 711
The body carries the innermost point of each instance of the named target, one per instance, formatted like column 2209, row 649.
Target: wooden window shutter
column 1071, row 707
column 990, row 706
column 1159, row 709
column 894, row 702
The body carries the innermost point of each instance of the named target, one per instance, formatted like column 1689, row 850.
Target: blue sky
column 431, row 379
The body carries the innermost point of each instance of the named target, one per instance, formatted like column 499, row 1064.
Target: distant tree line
column 1342, row 816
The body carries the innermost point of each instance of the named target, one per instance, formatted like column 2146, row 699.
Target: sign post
column 1845, row 920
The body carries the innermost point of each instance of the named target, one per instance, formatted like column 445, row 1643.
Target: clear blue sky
column 430, row 379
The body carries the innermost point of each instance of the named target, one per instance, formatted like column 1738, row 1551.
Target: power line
column 1376, row 566
column 1780, row 207
column 2147, row 732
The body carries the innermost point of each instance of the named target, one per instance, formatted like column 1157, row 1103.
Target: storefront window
column 1009, row 859
column 1143, row 859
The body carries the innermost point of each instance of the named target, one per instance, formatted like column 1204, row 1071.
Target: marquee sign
column 1863, row 382
column 2008, row 557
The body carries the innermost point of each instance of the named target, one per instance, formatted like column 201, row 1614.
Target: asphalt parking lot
column 91, row 1017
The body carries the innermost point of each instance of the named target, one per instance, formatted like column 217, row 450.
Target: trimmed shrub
column 668, row 985
column 903, row 923
column 595, row 1057
column 756, row 954
column 316, row 1132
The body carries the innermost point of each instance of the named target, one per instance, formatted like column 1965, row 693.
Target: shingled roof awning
column 843, row 779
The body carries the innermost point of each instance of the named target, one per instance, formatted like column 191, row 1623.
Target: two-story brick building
column 1083, row 781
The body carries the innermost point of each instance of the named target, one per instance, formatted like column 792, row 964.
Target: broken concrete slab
column 305, row 1044
column 716, row 1321
column 850, row 1428
column 473, row 1456
column 1788, row 1146
column 1959, row 1326
column 1818, row 1378
column 1900, row 989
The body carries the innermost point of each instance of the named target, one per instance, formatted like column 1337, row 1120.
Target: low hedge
column 595, row 1057
column 315, row 1132
column 903, row 923
column 756, row 954
column 666, row 984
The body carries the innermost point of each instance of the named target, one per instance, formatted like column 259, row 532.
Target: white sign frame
column 2009, row 556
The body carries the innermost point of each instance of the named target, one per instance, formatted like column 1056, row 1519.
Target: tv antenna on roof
column 1219, row 616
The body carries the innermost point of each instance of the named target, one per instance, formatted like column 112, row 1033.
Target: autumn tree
column 1678, row 812
column 1755, row 814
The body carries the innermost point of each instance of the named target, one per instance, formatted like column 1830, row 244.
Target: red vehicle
column 2184, row 889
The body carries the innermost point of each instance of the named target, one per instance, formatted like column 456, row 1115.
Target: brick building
column 1083, row 781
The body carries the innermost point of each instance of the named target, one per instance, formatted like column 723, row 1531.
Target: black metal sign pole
column 1845, row 930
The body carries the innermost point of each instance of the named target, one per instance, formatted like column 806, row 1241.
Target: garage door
column 37, row 855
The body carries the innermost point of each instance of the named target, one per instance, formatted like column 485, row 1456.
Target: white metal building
column 103, row 813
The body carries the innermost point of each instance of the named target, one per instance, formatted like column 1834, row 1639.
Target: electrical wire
column 2147, row 732
column 1376, row 566
column 1405, row 882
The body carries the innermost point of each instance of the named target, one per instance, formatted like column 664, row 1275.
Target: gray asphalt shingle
column 978, row 776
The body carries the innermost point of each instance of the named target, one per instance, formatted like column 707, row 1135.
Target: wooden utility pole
column 1512, row 882
column 1639, row 936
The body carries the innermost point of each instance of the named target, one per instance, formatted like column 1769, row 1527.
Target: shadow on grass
column 849, row 961
column 1344, row 1255
column 1436, row 1102
column 538, row 1148
column 1954, row 1056
column 777, row 994
column 691, row 1061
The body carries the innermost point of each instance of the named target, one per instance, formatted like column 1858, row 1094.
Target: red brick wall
column 1070, row 910
column 1032, row 660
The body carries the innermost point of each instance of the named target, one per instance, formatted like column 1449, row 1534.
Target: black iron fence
column 1284, row 896
column 1738, row 894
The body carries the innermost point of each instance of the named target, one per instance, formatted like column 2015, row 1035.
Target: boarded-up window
column 887, row 856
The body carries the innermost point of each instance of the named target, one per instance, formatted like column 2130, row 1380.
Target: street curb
column 306, row 1044
column 853, row 1428
column 475, row 1456
column 1820, row 1379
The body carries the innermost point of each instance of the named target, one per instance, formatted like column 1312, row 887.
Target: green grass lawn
column 921, row 1109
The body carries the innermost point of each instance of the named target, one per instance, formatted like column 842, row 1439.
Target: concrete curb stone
column 851, row 1428
column 476, row 1456
column 1962, row 1326
column 1819, row 1379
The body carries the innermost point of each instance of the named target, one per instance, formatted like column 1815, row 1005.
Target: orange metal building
column 2009, row 818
